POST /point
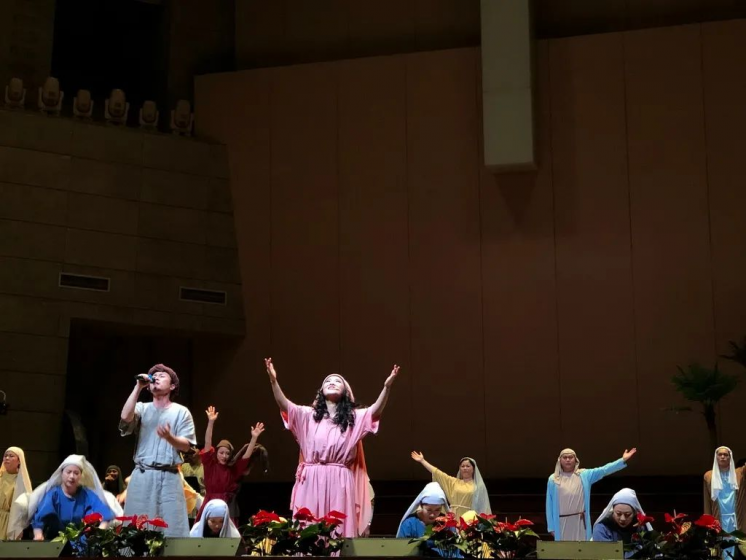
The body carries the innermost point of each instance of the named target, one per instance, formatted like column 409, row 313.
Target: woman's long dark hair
column 343, row 417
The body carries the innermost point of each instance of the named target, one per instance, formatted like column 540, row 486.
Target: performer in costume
column 618, row 522
column 725, row 492
column 163, row 428
column 331, row 475
column 569, row 495
column 215, row 522
column 113, row 481
column 71, row 493
column 14, row 482
column 423, row 511
column 466, row 491
column 192, row 468
column 222, row 473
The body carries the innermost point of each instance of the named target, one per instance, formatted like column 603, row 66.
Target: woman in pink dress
column 331, row 474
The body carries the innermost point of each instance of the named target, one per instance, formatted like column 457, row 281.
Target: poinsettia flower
column 263, row 517
column 674, row 519
column 487, row 516
column 141, row 521
column 130, row 518
column 337, row 514
column 642, row 519
column 709, row 522
column 523, row 523
column 329, row 520
column 304, row 514
column 446, row 521
column 158, row 522
column 92, row 518
column 510, row 527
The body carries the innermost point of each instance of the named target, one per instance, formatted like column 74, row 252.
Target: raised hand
column 212, row 414
column 270, row 370
column 257, row 430
column 628, row 454
column 392, row 377
column 419, row 457
column 143, row 380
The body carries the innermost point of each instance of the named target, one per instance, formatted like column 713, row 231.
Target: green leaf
column 737, row 352
column 703, row 385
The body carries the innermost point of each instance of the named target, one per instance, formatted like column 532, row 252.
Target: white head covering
column 481, row 500
column 717, row 476
column 624, row 496
column 88, row 478
column 558, row 467
column 23, row 485
column 432, row 495
column 215, row 508
column 111, row 501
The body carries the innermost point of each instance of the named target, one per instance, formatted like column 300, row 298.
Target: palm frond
column 737, row 352
column 700, row 384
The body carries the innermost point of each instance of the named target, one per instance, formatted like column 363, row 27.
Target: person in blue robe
column 725, row 493
column 618, row 522
column 568, row 498
column 72, row 493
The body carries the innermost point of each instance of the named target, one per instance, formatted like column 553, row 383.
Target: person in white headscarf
column 618, row 521
column 14, row 482
column 568, row 500
column 73, row 492
column 215, row 522
column 466, row 491
column 725, row 491
column 427, row 506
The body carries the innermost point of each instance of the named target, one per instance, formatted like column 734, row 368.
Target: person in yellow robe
column 14, row 481
column 466, row 491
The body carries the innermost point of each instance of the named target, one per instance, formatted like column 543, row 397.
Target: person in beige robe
column 14, row 482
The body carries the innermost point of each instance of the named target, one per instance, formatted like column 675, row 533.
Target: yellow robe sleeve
column 447, row 483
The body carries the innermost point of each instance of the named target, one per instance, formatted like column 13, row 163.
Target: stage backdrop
column 529, row 312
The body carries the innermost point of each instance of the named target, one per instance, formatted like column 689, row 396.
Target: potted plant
column 706, row 387
column 268, row 534
column 140, row 536
column 478, row 536
column 702, row 539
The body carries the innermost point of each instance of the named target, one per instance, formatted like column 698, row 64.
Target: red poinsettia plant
column 703, row 539
column 303, row 534
column 132, row 536
column 479, row 536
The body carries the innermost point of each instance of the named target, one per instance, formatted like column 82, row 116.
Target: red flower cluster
column 92, row 518
column 709, row 522
column 264, row 517
column 140, row 521
column 514, row 526
column 447, row 521
column 333, row 518
column 304, row 514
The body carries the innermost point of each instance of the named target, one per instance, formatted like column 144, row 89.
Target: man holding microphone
column 163, row 428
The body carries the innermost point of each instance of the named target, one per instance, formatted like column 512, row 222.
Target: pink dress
column 331, row 473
